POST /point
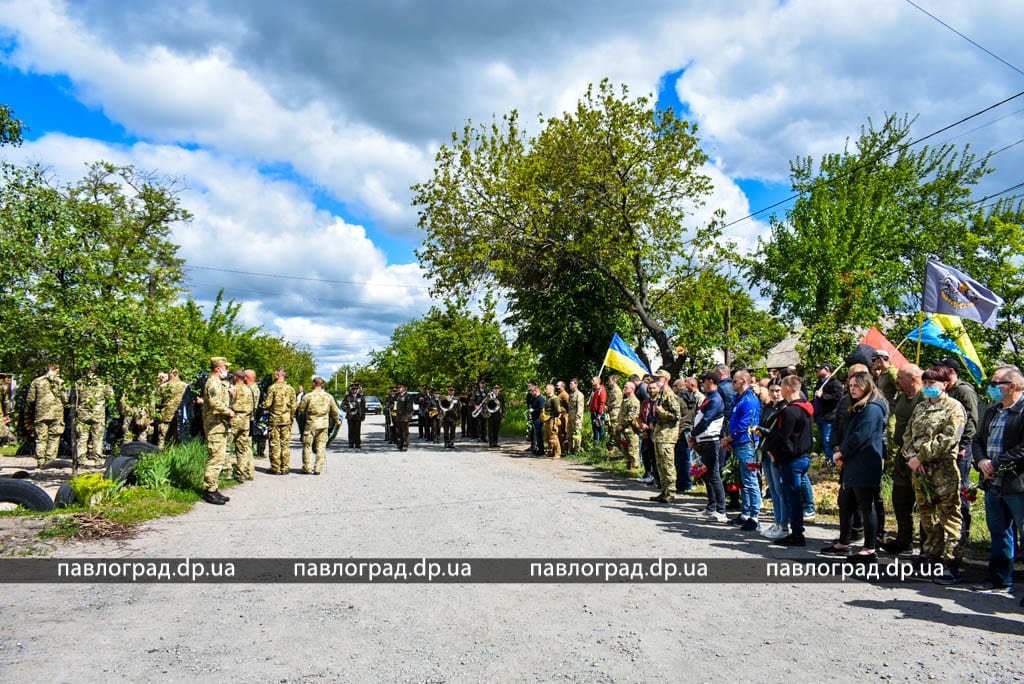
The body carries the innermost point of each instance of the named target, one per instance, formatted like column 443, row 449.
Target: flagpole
column 920, row 334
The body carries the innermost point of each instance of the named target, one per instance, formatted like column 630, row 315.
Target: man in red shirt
column 598, row 400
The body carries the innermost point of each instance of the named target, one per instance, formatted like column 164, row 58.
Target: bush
column 92, row 488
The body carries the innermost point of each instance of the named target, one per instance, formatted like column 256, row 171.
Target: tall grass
column 180, row 466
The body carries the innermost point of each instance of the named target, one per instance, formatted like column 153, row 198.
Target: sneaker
column 895, row 547
column 990, row 588
column 645, row 480
column 792, row 540
column 708, row 513
column 834, row 549
column 768, row 531
column 739, row 520
column 780, row 532
column 719, row 517
column 949, row 578
column 750, row 524
column 808, row 517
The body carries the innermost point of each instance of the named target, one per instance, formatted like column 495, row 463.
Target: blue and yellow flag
column 622, row 358
column 947, row 332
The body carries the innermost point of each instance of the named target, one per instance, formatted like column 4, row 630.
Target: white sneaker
column 767, row 532
column 809, row 516
column 719, row 517
column 780, row 532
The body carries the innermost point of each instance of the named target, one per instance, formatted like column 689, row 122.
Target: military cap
column 662, row 373
column 218, row 361
column 950, row 362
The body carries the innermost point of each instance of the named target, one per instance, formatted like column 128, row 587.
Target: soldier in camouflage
column 627, row 427
column 552, row 416
column 321, row 412
column 46, row 399
column 92, row 395
column 930, row 447
column 243, row 403
column 136, row 414
column 577, row 405
column 666, row 434
column 6, row 412
column 168, row 399
column 280, row 403
column 217, row 415
column 613, row 407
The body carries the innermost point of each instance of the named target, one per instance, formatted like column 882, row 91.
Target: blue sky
column 298, row 134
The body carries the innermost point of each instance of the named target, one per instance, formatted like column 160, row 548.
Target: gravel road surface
column 478, row 503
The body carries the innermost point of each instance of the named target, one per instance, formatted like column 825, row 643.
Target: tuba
column 489, row 407
column 446, row 404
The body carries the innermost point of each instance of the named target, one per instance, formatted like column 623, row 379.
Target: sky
column 295, row 130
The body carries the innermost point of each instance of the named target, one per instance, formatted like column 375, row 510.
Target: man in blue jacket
column 746, row 414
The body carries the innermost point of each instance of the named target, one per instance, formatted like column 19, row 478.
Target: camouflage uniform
column 6, row 411
column 46, row 399
column 244, row 404
column 135, row 418
column 563, row 420
column 321, row 412
column 216, row 421
column 280, row 402
column 629, row 432
column 577, row 404
column 168, row 399
column 553, row 412
column 933, row 436
column 91, row 416
column 666, row 434
column 613, row 406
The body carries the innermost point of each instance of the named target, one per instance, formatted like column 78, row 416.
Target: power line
column 975, row 44
column 997, row 194
column 858, row 167
column 306, row 278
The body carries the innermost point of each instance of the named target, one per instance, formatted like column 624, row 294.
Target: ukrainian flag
column 947, row 332
column 622, row 358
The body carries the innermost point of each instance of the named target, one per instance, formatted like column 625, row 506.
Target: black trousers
column 449, row 433
column 864, row 500
column 355, row 434
column 402, row 435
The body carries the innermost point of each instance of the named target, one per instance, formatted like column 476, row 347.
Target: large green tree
column 10, row 127
column 607, row 191
column 853, row 247
column 452, row 347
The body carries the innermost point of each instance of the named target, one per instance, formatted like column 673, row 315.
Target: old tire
column 26, row 494
column 121, row 469
column 65, row 496
column 135, row 449
column 56, row 463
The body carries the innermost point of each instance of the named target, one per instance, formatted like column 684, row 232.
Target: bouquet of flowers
column 931, row 494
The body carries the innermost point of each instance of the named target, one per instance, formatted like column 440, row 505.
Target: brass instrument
column 446, row 404
column 492, row 405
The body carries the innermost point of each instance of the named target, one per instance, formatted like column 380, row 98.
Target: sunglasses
column 997, row 383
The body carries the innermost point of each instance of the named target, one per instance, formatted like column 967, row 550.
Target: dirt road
column 479, row 503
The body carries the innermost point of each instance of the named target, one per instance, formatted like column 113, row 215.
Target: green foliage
column 92, row 488
column 451, row 347
column 153, row 470
column 10, row 128
column 599, row 199
column 187, row 464
column 853, row 247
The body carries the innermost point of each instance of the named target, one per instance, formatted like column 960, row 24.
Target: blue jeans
column 792, row 473
column 749, row 485
column 1001, row 513
column 597, row 424
column 773, row 475
column 807, row 494
column 825, row 433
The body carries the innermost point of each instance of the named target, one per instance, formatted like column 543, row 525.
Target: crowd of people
column 923, row 427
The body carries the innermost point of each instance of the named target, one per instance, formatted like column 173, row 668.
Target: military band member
column 451, row 412
column 243, row 403
column 403, row 414
column 354, row 406
column 389, row 415
column 435, row 415
column 217, row 415
column 92, row 395
column 280, row 403
column 495, row 416
column 321, row 413
column 479, row 397
column 464, row 410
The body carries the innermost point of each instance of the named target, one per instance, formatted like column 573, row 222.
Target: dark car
column 373, row 405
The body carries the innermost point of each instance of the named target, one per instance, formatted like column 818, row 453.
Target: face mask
column 224, row 375
column 931, row 392
column 51, row 374
column 995, row 393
